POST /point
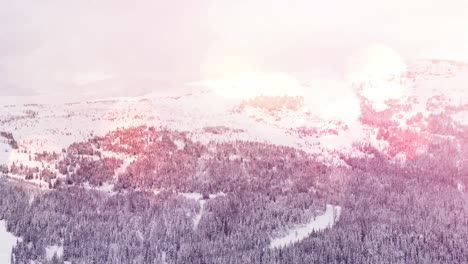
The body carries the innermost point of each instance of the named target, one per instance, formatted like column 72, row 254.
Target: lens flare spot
column 378, row 69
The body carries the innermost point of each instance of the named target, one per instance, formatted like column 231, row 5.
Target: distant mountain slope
column 433, row 108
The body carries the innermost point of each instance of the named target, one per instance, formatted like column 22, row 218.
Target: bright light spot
column 375, row 62
column 251, row 84
column 378, row 68
column 219, row 65
column 332, row 100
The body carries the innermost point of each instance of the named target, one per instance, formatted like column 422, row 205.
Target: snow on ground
column 198, row 216
column 5, row 152
column 164, row 257
column 193, row 196
column 199, row 198
column 440, row 78
column 319, row 223
column 36, row 182
column 180, row 144
column 32, row 197
column 215, row 195
column 461, row 117
column 127, row 160
column 53, row 250
column 56, row 126
column 7, row 242
column 52, row 126
column 23, row 158
column 106, row 187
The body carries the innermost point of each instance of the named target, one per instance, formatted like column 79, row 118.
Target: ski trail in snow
column 54, row 250
column 198, row 197
column 321, row 222
column 197, row 218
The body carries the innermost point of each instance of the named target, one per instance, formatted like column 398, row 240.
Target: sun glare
column 377, row 67
column 332, row 100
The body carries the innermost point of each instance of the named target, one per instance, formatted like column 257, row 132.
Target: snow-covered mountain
column 253, row 176
column 433, row 104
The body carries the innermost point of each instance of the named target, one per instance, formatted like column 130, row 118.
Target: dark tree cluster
column 10, row 139
column 219, row 130
column 273, row 104
column 27, row 114
column 332, row 128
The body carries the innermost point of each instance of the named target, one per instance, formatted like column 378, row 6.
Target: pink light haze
column 153, row 46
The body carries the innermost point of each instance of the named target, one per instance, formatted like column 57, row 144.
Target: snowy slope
column 8, row 241
column 319, row 223
column 56, row 126
column 430, row 87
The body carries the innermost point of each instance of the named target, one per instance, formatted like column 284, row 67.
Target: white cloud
column 42, row 42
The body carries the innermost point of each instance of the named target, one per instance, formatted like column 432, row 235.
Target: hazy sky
column 67, row 45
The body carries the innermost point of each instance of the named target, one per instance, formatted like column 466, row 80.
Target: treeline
column 165, row 159
column 27, row 114
column 386, row 218
column 273, row 104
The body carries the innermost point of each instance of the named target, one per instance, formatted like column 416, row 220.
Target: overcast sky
column 53, row 46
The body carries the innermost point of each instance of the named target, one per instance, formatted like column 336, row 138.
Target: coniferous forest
column 411, row 212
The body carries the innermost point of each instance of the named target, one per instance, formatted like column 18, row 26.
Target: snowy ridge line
column 319, row 223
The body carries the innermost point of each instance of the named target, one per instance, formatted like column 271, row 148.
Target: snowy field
column 7, row 242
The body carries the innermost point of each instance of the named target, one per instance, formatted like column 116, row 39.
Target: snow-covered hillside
column 8, row 241
column 249, row 175
column 430, row 88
